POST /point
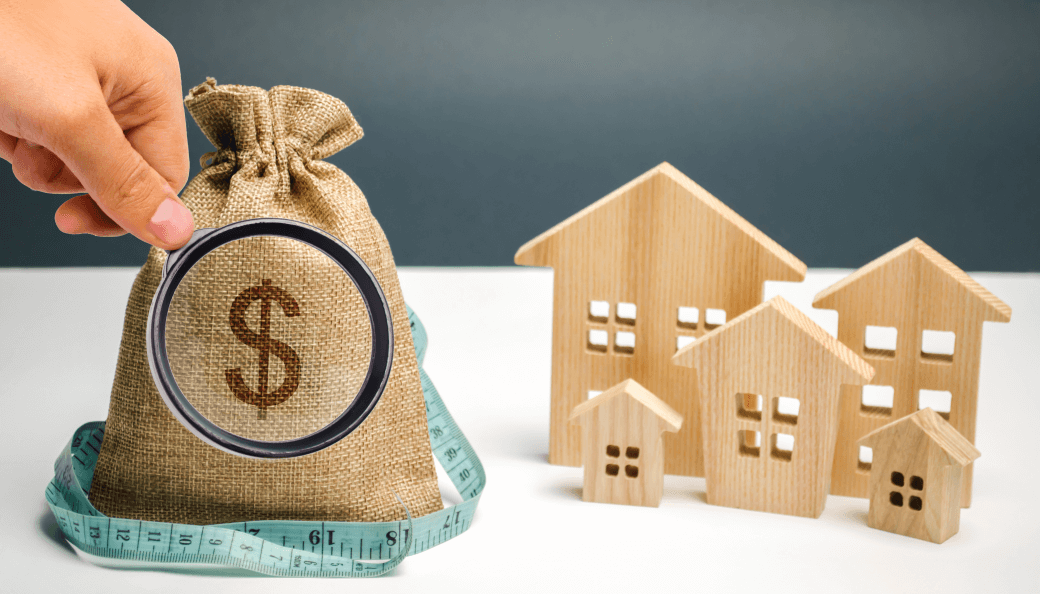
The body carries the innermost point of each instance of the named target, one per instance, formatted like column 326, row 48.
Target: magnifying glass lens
column 268, row 338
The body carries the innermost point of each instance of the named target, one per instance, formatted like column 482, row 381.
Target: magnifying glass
column 269, row 338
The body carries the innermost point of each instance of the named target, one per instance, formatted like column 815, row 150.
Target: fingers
column 82, row 215
column 126, row 188
column 41, row 170
column 163, row 139
column 7, row 143
column 164, row 145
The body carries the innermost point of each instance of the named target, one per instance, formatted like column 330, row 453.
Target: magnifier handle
column 173, row 255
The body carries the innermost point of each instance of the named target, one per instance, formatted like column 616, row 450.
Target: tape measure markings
column 306, row 548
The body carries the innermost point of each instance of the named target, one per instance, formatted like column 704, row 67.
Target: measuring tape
column 272, row 547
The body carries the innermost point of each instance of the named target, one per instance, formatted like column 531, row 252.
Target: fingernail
column 172, row 223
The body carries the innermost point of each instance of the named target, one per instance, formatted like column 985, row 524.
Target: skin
column 90, row 103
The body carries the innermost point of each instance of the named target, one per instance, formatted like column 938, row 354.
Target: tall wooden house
column 769, row 383
column 623, row 453
column 917, row 318
column 638, row 274
column 917, row 476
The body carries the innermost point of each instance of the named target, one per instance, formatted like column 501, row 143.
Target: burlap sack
column 268, row 164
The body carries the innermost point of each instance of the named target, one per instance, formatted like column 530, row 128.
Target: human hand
column 90, row 101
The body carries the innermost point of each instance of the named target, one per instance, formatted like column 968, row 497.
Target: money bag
column 268, row 337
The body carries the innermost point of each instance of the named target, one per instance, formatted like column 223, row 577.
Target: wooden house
column 638, row 274
column 917, row 319
column 917, row 475
column 622, row 431
column 769, row 387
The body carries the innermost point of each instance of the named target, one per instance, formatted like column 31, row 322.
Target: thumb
column 126, row 188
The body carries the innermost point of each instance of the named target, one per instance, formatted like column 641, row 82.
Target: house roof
column 671, row 419
column 528, row 254
column 839, row 353
column 957, row 447
column 996, row 310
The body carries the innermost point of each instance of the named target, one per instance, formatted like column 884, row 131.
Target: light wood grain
column 622, row 444
column 771, row 351
column 660, row 242
column 917, row 475
column 912, row 289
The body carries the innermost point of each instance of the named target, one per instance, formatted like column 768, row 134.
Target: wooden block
column 622, row 432
column 769, row 386
column 917, row 475
column 635, row 273
column 919, row 296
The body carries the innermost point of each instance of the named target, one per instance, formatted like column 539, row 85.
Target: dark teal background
column 841, row 129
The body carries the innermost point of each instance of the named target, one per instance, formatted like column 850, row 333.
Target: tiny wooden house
column 769, row 385
column 623, row 451
column 917, row 475
column 917, row 319
column 639, row 273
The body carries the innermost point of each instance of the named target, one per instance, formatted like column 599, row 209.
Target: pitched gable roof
column 671, row 419
column 996, row 310
column 529, row 255
column 957, row 447
column 839, row 354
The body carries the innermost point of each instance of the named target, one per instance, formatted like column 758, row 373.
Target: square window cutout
column 749, row 407
column 624, row 342
column 626, row 313
column 599, row 311
column 713, row 318
column 750, row 443
column 938, row 400
column 866, row 457
column 782, row 446
column 937, row 346
column 877, row 400
column 880, row 341
column 688, row 317
column 785, row 410
column 598, row 340
column 682, row 341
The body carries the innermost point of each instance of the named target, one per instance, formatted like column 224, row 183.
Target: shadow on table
column 228, row 572
column 565, row 490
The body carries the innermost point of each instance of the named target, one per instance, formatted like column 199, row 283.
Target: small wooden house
column 917, row 319
column 917, row 475
column 769, row 383
column 622, row 432
column 638, row 274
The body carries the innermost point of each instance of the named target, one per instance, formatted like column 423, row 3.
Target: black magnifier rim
column 181, row 261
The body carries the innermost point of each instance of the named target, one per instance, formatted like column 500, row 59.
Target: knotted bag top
column 276, row 132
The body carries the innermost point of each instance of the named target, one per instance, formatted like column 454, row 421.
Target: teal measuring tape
column 272, row 547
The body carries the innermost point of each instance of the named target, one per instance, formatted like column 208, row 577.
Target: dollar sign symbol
column 262, row 341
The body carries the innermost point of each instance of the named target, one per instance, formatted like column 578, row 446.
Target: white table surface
column 489, row 355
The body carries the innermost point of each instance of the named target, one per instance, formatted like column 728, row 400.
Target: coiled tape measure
column 279, row 548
